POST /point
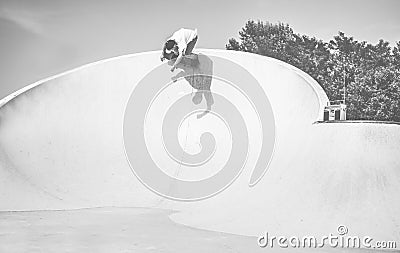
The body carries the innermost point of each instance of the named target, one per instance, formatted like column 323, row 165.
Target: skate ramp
column 62, row 147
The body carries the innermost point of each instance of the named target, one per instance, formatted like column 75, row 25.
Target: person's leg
column 209, row 99
column 190, row 46
column 198, row 96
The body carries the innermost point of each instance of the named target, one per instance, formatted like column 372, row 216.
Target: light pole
column 344, row 84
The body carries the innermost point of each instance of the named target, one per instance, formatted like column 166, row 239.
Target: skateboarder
column 181, row 43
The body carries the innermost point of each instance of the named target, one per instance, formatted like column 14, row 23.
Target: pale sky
column 41, row 38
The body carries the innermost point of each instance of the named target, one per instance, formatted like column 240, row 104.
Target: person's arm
column 181, row 50
column 178, row 60
column 162, row 58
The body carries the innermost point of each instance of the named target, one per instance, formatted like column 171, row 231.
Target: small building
column 335, row 110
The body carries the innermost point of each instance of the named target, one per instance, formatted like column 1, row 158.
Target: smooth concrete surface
column 61, row 148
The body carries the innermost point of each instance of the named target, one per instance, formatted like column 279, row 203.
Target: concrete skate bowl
column 63, row 146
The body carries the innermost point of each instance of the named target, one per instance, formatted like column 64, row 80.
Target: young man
column 179, row 44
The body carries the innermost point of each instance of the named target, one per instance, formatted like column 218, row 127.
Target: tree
column 371, row 73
